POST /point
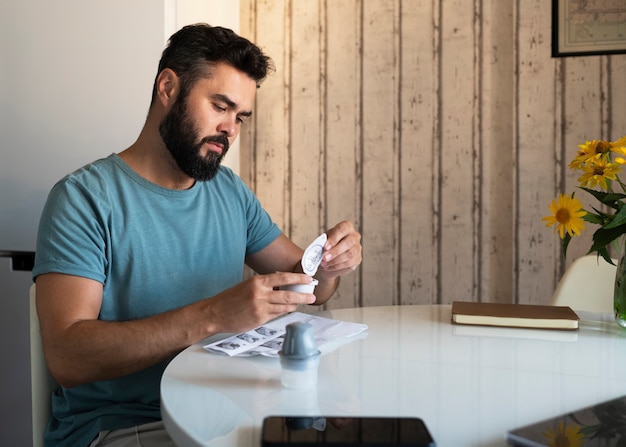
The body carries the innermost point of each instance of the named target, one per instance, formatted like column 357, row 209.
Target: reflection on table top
column 469, row 384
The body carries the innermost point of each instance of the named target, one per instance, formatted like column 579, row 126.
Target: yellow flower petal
column 564, row 436
column 598, row 172
column 567, row 215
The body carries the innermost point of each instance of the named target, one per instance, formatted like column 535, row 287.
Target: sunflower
column 598, row 172
column 591, row 151
column 600, row 163
column 620, row 150
column 596, row 150
column 562, row 436
column 567, row 215
column 618, row 144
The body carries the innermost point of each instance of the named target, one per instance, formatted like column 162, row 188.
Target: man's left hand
column 342, row 252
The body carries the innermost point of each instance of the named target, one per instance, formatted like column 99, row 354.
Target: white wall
column 75, row 83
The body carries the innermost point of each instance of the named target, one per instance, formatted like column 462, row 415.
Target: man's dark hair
column 195, row 49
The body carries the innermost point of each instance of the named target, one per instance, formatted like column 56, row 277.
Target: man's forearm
column 94, row 350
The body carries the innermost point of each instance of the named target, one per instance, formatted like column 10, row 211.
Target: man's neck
column 150, row 159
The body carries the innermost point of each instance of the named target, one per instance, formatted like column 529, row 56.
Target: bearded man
column 141, row 254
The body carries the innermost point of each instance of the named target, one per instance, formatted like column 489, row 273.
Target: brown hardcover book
column 514, row 315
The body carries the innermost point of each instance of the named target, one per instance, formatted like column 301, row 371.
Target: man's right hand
column 254, row 302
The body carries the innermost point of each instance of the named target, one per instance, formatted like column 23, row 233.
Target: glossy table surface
column 469, row 384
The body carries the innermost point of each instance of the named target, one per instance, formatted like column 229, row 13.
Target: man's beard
column 181, row 139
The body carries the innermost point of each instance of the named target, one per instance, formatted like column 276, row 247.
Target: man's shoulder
column 93, row 181
column 91, row 174
column 98, row 168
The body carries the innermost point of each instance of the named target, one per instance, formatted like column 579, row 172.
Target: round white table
column 469, row 384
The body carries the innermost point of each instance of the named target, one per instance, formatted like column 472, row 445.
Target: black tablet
column 602, row 424
column 342, row 431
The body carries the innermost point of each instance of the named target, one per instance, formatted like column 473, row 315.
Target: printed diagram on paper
column 267, row 340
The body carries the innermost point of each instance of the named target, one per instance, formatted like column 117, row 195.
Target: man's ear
column 167, row 86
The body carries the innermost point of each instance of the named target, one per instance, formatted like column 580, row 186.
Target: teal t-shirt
column 153, row 249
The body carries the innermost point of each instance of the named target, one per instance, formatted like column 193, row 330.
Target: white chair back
column 587, row 285
column 42, row 382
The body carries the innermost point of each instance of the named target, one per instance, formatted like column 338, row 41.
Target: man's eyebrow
column 229, row 102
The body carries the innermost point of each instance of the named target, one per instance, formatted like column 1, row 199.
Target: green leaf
column 593, row 218
column 615, row 196
column 604, row 236
column 600, row 195
column 606, row 216
column 565, row 243
column 608, row 198
column 605, row 254
column 619, row 219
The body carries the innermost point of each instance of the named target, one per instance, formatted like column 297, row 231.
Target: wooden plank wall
column 441, row 128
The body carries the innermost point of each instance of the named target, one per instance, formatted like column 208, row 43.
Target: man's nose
column 228, row 126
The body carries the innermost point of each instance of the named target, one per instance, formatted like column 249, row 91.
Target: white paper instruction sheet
column 268, row 339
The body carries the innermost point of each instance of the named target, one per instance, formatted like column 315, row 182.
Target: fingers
column 338, row 232
column 343, row 251
column 284, row 301
column 291, row 298
column 257, row 300
column 287, row 278
column 345, row 256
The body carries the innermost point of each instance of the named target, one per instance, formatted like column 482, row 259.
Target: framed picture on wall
column 583, row 27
